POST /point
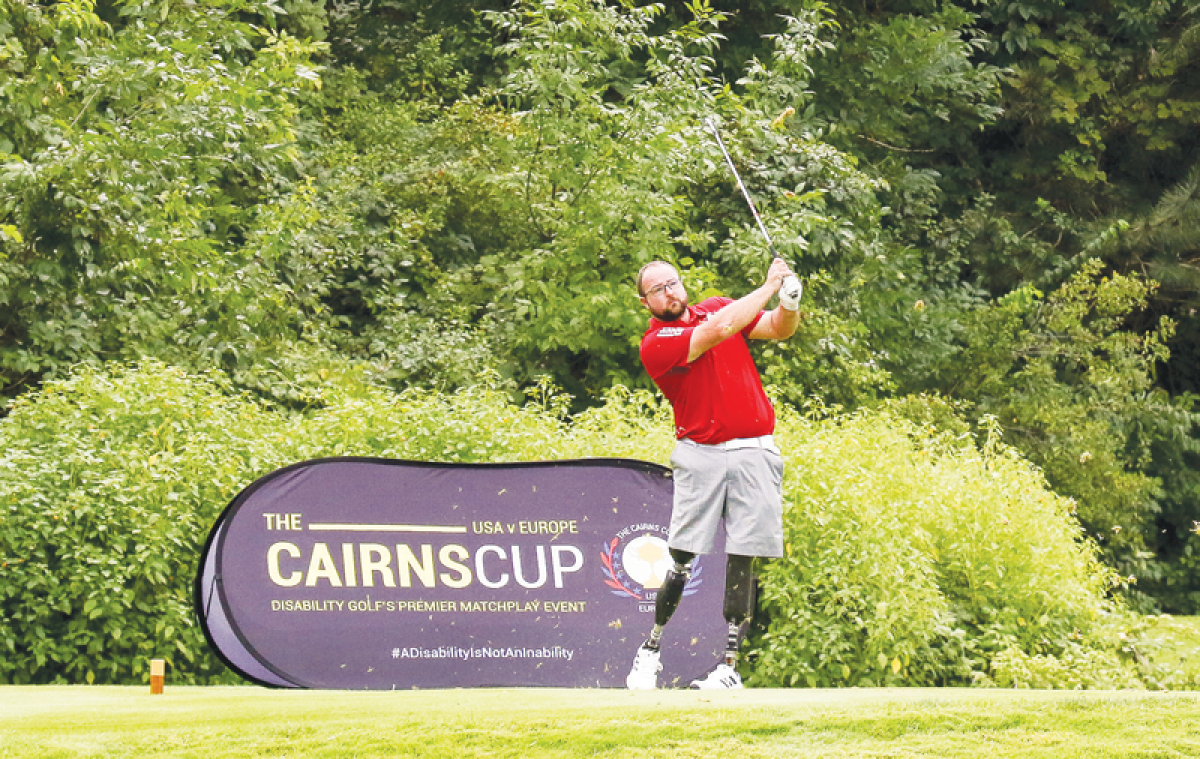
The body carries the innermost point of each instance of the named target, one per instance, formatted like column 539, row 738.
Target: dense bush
column 914, row 557
column 109, row 484
column 917, row 557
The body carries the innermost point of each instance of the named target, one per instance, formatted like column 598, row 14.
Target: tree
column 147, row 165
column 1075, row 392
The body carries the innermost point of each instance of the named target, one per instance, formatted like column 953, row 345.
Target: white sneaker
column 721, row 677
column 644, row 674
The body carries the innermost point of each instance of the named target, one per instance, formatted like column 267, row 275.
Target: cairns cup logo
column 636, row 561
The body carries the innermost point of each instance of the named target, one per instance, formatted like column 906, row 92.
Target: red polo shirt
column 717, row 397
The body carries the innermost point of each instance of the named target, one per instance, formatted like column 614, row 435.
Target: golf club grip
column 776, row 254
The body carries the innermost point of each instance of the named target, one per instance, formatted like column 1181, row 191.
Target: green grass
column 75, row 721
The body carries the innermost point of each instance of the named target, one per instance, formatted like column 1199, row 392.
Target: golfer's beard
column 672, row 312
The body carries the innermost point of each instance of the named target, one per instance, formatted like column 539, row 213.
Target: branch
column 893, row 147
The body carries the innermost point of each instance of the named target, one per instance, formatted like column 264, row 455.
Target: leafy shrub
column 1075, row 667
column 913, row 557
column 109, row 484
column 1172, row 650
column 147, row 161
column 111, row 480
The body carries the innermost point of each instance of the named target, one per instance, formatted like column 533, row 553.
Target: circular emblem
column 635, row 563
column 647, row 561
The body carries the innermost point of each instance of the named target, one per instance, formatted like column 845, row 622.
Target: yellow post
column 158, row 669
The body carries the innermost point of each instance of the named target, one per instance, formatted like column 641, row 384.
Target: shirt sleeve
column 665, row 349
column 753, row 323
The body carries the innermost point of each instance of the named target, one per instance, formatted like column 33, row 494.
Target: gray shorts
column 742, row 486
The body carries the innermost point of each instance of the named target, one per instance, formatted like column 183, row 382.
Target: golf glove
column 789, row 293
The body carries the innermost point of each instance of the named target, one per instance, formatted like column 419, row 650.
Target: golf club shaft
column 712, row 127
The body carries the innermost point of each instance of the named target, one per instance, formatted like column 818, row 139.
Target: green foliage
column 400, row 203
column 145, row 166
column 916, row 558
column 1087, row 77
column 897, row 81
column 1163, row 242
column 109, row 483
column 913, row 557
column 428, row 192
column 1075, row 392
column 1173, row 644
column 1172, row 579
column 413, row 50
column 601, row 150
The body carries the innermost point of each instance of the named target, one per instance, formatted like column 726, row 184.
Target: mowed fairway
column 53, row 721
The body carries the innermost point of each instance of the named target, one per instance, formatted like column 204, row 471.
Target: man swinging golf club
column 725, row 463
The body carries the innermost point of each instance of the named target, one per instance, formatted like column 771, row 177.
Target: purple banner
column 379, row 574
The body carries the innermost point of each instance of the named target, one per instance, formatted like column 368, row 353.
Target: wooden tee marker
column 158, row 668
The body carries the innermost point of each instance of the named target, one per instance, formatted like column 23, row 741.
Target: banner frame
column 214, row 543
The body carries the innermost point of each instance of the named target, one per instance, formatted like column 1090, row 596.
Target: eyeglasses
column 670, row 284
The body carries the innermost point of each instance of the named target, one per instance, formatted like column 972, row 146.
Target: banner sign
column 379, row 574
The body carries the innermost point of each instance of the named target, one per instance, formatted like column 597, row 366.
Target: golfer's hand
column 777, row 273
column 790, row 292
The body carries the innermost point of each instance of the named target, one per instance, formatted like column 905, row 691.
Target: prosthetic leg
column 739, row 602
column 669, row 594
column 739, row 607
column 646, row 666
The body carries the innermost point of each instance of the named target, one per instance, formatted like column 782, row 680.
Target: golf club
column 711, row 124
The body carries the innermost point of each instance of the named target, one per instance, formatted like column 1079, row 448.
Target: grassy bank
column 53, row 721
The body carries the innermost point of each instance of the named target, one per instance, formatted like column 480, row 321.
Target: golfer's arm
column 779, row 324
column 729, row 321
